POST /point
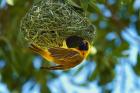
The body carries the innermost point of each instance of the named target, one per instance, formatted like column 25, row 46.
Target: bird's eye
column 83, row 45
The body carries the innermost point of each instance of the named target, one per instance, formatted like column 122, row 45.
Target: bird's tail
column 42, row 52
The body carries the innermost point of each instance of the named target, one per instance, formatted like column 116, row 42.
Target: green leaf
column 101, row 1
column 93, row 75
column 84, row 4
column 138, row 58
column 45, row 89
column 106, row 76
column 92, row 7
column 138, row 26
column 136, row 68
column 118, row 51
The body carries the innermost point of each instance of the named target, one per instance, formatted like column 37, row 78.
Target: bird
column 74, row 50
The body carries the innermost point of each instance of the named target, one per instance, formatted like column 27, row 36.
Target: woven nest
column 49, row 22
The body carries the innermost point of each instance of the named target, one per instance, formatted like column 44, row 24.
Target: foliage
column 18, row 60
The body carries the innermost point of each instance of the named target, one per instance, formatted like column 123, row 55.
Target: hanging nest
column 49, row 22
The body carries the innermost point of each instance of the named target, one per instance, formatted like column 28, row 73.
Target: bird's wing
column 62, row 53
column 68, row 58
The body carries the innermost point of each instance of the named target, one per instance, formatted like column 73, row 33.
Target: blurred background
column 112, row 67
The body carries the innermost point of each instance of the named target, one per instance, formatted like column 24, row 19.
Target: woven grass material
column 49, row 22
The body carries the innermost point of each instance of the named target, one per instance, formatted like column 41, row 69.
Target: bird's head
column 78, row 43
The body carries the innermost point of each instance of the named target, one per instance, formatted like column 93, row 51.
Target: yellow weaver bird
column 72, row 53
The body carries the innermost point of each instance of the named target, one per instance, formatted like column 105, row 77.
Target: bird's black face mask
column 77, row 42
